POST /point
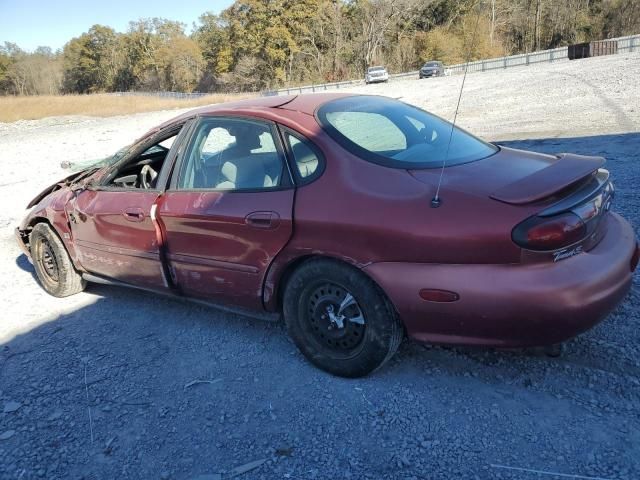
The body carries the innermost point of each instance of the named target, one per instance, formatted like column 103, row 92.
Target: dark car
column 320, row 207
column 431, row 69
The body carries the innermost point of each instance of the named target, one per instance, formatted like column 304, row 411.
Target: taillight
column 549, row 233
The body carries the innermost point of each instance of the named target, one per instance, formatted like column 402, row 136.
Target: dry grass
column 97, row 105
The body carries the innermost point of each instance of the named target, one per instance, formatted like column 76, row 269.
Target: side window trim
column 286, row 182
column 174, row 154
column 291, row 160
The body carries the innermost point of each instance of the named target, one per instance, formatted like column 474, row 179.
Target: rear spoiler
column 568, row 169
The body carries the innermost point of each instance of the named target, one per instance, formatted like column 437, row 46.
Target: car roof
column 306, row 103
column 257, row 102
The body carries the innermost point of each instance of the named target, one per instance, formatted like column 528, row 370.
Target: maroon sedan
column 324, row 208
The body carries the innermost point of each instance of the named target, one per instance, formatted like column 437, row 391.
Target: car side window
column 306, row 157
column 231, row 154
column 143, row 170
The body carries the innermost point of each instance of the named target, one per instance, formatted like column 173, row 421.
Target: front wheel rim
column 335, row 320
column 48, row 261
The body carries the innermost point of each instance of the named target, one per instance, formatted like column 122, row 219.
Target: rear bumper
column 514, row 305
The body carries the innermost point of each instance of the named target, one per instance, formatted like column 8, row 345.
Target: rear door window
column 307, row 159
column 232, row 154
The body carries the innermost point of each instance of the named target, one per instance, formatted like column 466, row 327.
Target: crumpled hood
column 82, row 175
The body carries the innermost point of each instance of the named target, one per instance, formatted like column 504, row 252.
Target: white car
column 376, row 74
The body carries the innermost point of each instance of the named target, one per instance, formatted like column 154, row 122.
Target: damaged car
column 360, row 219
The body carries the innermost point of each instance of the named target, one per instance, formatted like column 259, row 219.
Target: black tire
column 355, row 350
column 52, row 263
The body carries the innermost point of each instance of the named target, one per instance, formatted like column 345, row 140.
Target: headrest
column 247, row 136
column 229, row 171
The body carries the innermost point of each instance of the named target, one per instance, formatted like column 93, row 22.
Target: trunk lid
column 562, row 198
column 515, row 177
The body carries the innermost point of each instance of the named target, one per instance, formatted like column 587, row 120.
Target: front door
column 228, row 211
column 113, row 225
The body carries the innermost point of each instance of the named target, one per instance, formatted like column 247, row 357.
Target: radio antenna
column 436, row 201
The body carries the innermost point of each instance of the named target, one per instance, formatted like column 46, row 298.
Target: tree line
column 259, row 44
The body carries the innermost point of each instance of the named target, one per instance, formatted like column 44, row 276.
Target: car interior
column 142, row 171
column 240, row 155
column 305, row 158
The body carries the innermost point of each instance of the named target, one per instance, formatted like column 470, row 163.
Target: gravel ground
column 103, row 384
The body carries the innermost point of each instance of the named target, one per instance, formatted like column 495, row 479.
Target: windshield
column 376, row 69
column 95, row 163
column 113, row 158
column 395, row 134
column 432, row 64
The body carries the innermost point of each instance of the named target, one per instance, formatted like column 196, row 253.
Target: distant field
column 97, row 105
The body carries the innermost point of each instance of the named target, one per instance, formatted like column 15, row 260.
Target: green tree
column 5, row 66
column 257, row 44
column 92, row 61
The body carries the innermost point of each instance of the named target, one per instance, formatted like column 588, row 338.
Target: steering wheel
column 147, row 176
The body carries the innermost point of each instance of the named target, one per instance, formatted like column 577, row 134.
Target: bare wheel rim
column 48, row 261
column 335, row 320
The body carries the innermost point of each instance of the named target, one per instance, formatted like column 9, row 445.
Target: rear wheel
column 339, row 319
column 52, row 263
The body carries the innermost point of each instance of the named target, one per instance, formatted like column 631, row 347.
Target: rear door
column 228, row 211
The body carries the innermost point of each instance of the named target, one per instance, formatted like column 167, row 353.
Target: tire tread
column 71, row 282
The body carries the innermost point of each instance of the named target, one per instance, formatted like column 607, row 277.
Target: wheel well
column 25, row 234
column 286, row 275
column 295, row 264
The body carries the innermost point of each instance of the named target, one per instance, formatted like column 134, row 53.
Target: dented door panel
column 220, row 244
column 115, row 236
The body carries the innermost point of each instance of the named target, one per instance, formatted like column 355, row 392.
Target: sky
column 52, row 23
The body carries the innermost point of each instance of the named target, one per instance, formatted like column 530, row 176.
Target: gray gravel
column 115, row 383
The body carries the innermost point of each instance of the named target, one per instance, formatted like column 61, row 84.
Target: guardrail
column 179, row 95
column 630, row 43
column 312, row 88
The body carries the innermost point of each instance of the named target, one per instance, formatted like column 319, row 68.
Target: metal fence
column 178, row 95
column 628, row 44
column 625, row 44
column 313, row 88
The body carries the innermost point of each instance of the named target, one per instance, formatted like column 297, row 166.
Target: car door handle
column 134, row 214
column 266, row 220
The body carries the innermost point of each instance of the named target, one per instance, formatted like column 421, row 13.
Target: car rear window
column 395, row 134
